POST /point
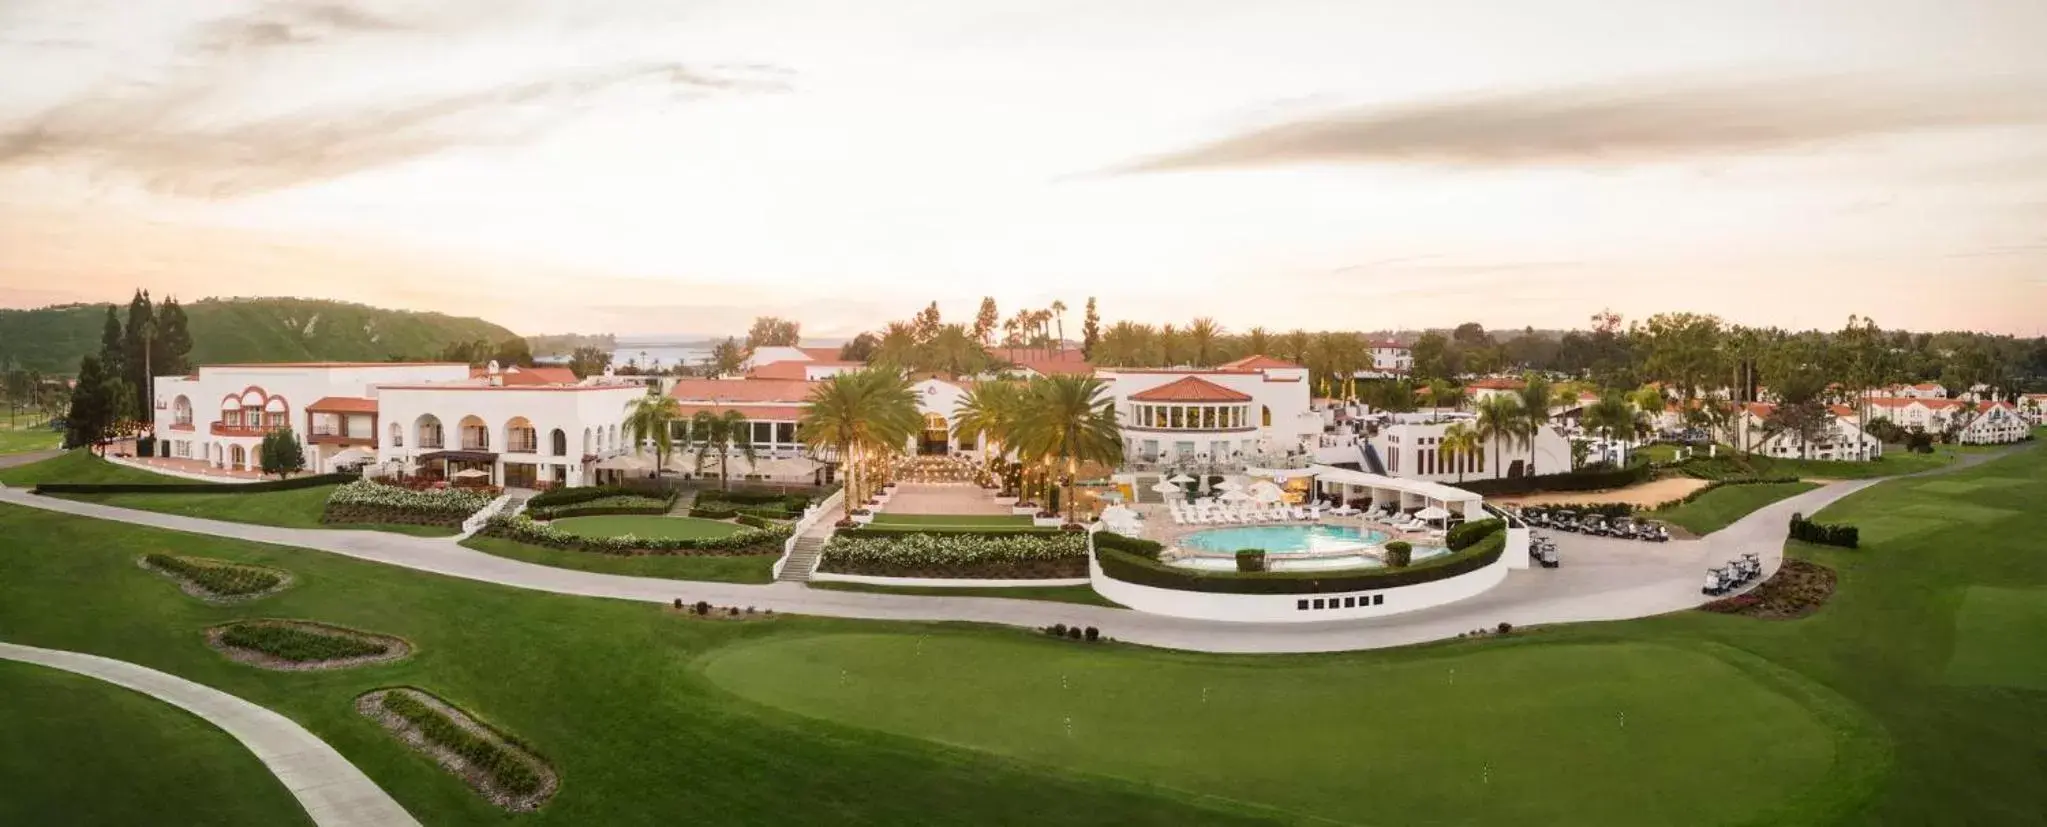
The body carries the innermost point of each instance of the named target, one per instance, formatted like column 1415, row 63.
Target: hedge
column 495, row 759
column 1826, row 534
column 1464, row 534
column 571, row 496
column 1148, row 549
column 1716, row 483
column 1062, row 554
column 1250, row 559
column 898, row 529
column 311, row 481
column 363, row 501
column 703, row 512
column 1130, row 568
column 523, row 529
column 614, row 504
column 1572, row 481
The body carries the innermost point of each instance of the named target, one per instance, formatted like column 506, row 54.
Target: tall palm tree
column 897, row 346
column 1256, row 341
column 723, row 433
column 1071, row 419
column 1499, row 422
column 1612, row 415
column 954, row 351
column 1058, row 311
column 652, row 418
column 859, row 416
column 990, row 410
column 1460, row 443
column 1172, row 345
column 1202, row 334
column 1537, row 397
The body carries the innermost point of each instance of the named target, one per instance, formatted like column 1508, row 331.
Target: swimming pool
column 1282, row 539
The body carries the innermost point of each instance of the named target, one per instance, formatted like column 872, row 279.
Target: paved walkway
column 333, row 791
column 1601, row 579
column 942, row 498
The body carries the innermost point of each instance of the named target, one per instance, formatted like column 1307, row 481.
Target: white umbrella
column 1432, row 513
column 350, row 455
column 1266, row 492
column 1229, row 485
column 1181, row 479
column 1234, row 496
column 471, row 474
column 625, row 462
column 1165, row 487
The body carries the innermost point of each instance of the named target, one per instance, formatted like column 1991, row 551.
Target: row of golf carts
column 1734, row 575
column 1563, row 518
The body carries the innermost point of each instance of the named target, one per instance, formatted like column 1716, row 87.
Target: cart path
column 333, row 792
column 1601, row 579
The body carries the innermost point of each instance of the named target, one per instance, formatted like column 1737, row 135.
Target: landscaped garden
column 1908, row 698
column 1084, row 595
column 720, row 568
column 965, row 555
column 665, row 528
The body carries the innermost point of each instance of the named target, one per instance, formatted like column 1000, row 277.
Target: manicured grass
column 78, row 465
column 619, row 525
column 296, row 508
column 1895, row 461
column 83, row 751
column 1657, row 452
column 19, row 440
column 1055, row 594
column 1720, row 507
column 955, row 520
column 747, row 568
column 1989, row 618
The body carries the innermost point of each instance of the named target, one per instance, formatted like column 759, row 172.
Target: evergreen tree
column 91, row 416
column 138, row 346
column 1090, row 329
column 281, row 453
column 986, row 321
column 113, row 356
column 173, row 349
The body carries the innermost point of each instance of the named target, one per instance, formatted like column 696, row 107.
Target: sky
column 655, row 166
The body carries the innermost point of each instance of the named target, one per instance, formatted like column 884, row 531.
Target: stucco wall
column 1276, row 608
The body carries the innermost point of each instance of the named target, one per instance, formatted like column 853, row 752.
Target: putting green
column 619, row 525
column 1610, row 733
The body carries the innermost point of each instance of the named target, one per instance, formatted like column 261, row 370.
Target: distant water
column 666, row 356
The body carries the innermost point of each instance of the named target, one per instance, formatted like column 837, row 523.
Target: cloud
column 1621, row 123
column 200, row 128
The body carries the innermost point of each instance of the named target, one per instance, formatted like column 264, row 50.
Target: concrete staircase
column 802, row 559
column 684, row 501
column 1371, row 455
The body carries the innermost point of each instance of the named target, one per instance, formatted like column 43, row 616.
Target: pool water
column 1283, row 539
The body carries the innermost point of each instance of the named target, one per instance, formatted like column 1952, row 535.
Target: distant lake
column 664, row 355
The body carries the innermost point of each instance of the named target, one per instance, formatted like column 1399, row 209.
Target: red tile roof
column 327, row 364
column 343, row 404
column 790, row 369
column 1190, row 389
column 821, row 354
column 1760, row 408
column 1987, row 405
column 741, row 390
column 1926, row 386
column 1841, row 410
column 1261, row 362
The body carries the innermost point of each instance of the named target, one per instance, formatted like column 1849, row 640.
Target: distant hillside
column 52, row 339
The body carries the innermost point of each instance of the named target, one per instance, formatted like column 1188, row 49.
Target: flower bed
column 296, row 645
column 374, row 502
column 1796, row 590
column 611, row 504
column 492, row 762
column 966, row 556
column 217, row 581
column 746, row 541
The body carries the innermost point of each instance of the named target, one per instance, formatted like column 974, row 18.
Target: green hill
column 51, row 339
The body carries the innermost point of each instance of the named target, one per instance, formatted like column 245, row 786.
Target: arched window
column 475, row 434
column 427, row 431
column 520, row 436
column 236, row 457
column 561, row 443
column 589, row 447
column 181, row 411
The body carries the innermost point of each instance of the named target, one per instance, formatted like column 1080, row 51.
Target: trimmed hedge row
column 364, row 501
column 1464, row 534
column 571, row 496
column 899, row 529
column 218, row 577
column 1572, row 481
column 523, row 529
column 712, row 512
column 962, row 556
column 311, row 481
column 1147, row 549
column 1826, row 534
column 1131, row 568
column 614, row 504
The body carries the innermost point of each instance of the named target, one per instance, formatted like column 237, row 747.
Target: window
column 1318, row 603
column 1265, row 415
column 785, row 432
column 397, row 436
column 1378, row 599
column 1300, row 605
column 1350, row 602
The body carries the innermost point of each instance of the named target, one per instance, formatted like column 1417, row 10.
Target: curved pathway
column 1601, row 579
column 333, row 791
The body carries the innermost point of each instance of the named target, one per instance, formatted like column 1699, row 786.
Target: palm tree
column 898, row 346
column 1460, row 443
column 1612, row 414
column 1499, row 420
column 1256, row 341
column 1201, row 338
column 856, row 416
column 1537, row 396
column 651, row 418
column 954, row 351
column 990, row 410
column 1071, row 419
column 723, row 433
column 1059, row 316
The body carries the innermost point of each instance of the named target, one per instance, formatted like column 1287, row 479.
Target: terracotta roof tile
column 1261, row 362
column 741, row 390
column 343, row 404
column 1190, row 389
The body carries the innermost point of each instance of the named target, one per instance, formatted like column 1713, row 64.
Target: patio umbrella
column 1113, row 496
column 1181, row 479
column 350, row 455
column 1166, row 487
column 1432, row 513
column 1229, row 485
column 1234, row 496
column 471, row 474
column 624, row 462
column 1265, row 492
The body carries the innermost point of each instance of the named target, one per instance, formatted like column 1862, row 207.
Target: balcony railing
column 523, row 446
column 223, row 429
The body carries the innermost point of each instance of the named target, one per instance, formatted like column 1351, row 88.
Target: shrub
column 745, row 541
column 503, row 766
column 293, row 484
column 1131, row 568
column 218, row 577
column 1045, row 554
column 1059, row 630
column 1148, row 549
column 1464, row 534
column 614, row 504
column 365, row 501
column 712, row 512
column 1398, row 554
column 678, row 603
column 1826, row 534
column 1073, row 632
column 145, row 446
column 1250, row 559
column 703, row 607
column 573, row 496
column 294, row 642
column 1093, row 634
column 1505, row 627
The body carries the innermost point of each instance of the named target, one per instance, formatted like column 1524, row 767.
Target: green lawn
column 955, row 520
column 1056, row 594
column 296, row 508
column 19, row 440
column 1895, row 461
column 648, row 526
column 1720, row 507
column 1911, row 698
column 748, row 568
column 78, row 466
column 83, row 751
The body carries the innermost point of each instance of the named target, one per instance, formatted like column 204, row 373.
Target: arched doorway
column 237, row 458
column 475, row 434
column 427, row 432
column 936, row 436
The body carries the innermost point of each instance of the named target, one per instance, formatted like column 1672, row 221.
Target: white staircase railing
column 475, row 521
column 825, row 512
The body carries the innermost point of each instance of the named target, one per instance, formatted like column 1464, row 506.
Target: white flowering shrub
column 747, row 541
column 978, row 556
column 373, row 502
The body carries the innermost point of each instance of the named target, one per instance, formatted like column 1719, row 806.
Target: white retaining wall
column 945, row 582
column 1296, row 608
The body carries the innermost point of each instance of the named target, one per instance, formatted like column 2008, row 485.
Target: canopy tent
column 1234, row 496
column 1330, row 475
column 1229, row 485
column 350, row 455
column 786, row 467
column 625, row 462
column 1281, row 474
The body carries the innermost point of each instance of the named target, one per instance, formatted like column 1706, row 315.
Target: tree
column 986, row 320
column 953, row 352
column 772, row 331
column 1294, row 346
column 990, row 411
column 897, row 346
column 281, row 453
column 726, row 357
column 1442, row 395
column 1256, row 341
column 1460, row 443
column 513, row 352
column 113, row 346
column 1434, row 358
column 1471, row 335
column 1499, row 422
column 925, row 323
column 651, row 419
column 859, row 418
column 1071, row 419
column 588, row 360
column 1058, row 310
column 718, row 436
column 1684, row 350
column 138, row 339
column 1537, row 397
column 1613, row 415
column 91, row 416
column 860, row 348
column 1202, row 334
column 173, row 348
column 1090, row 329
